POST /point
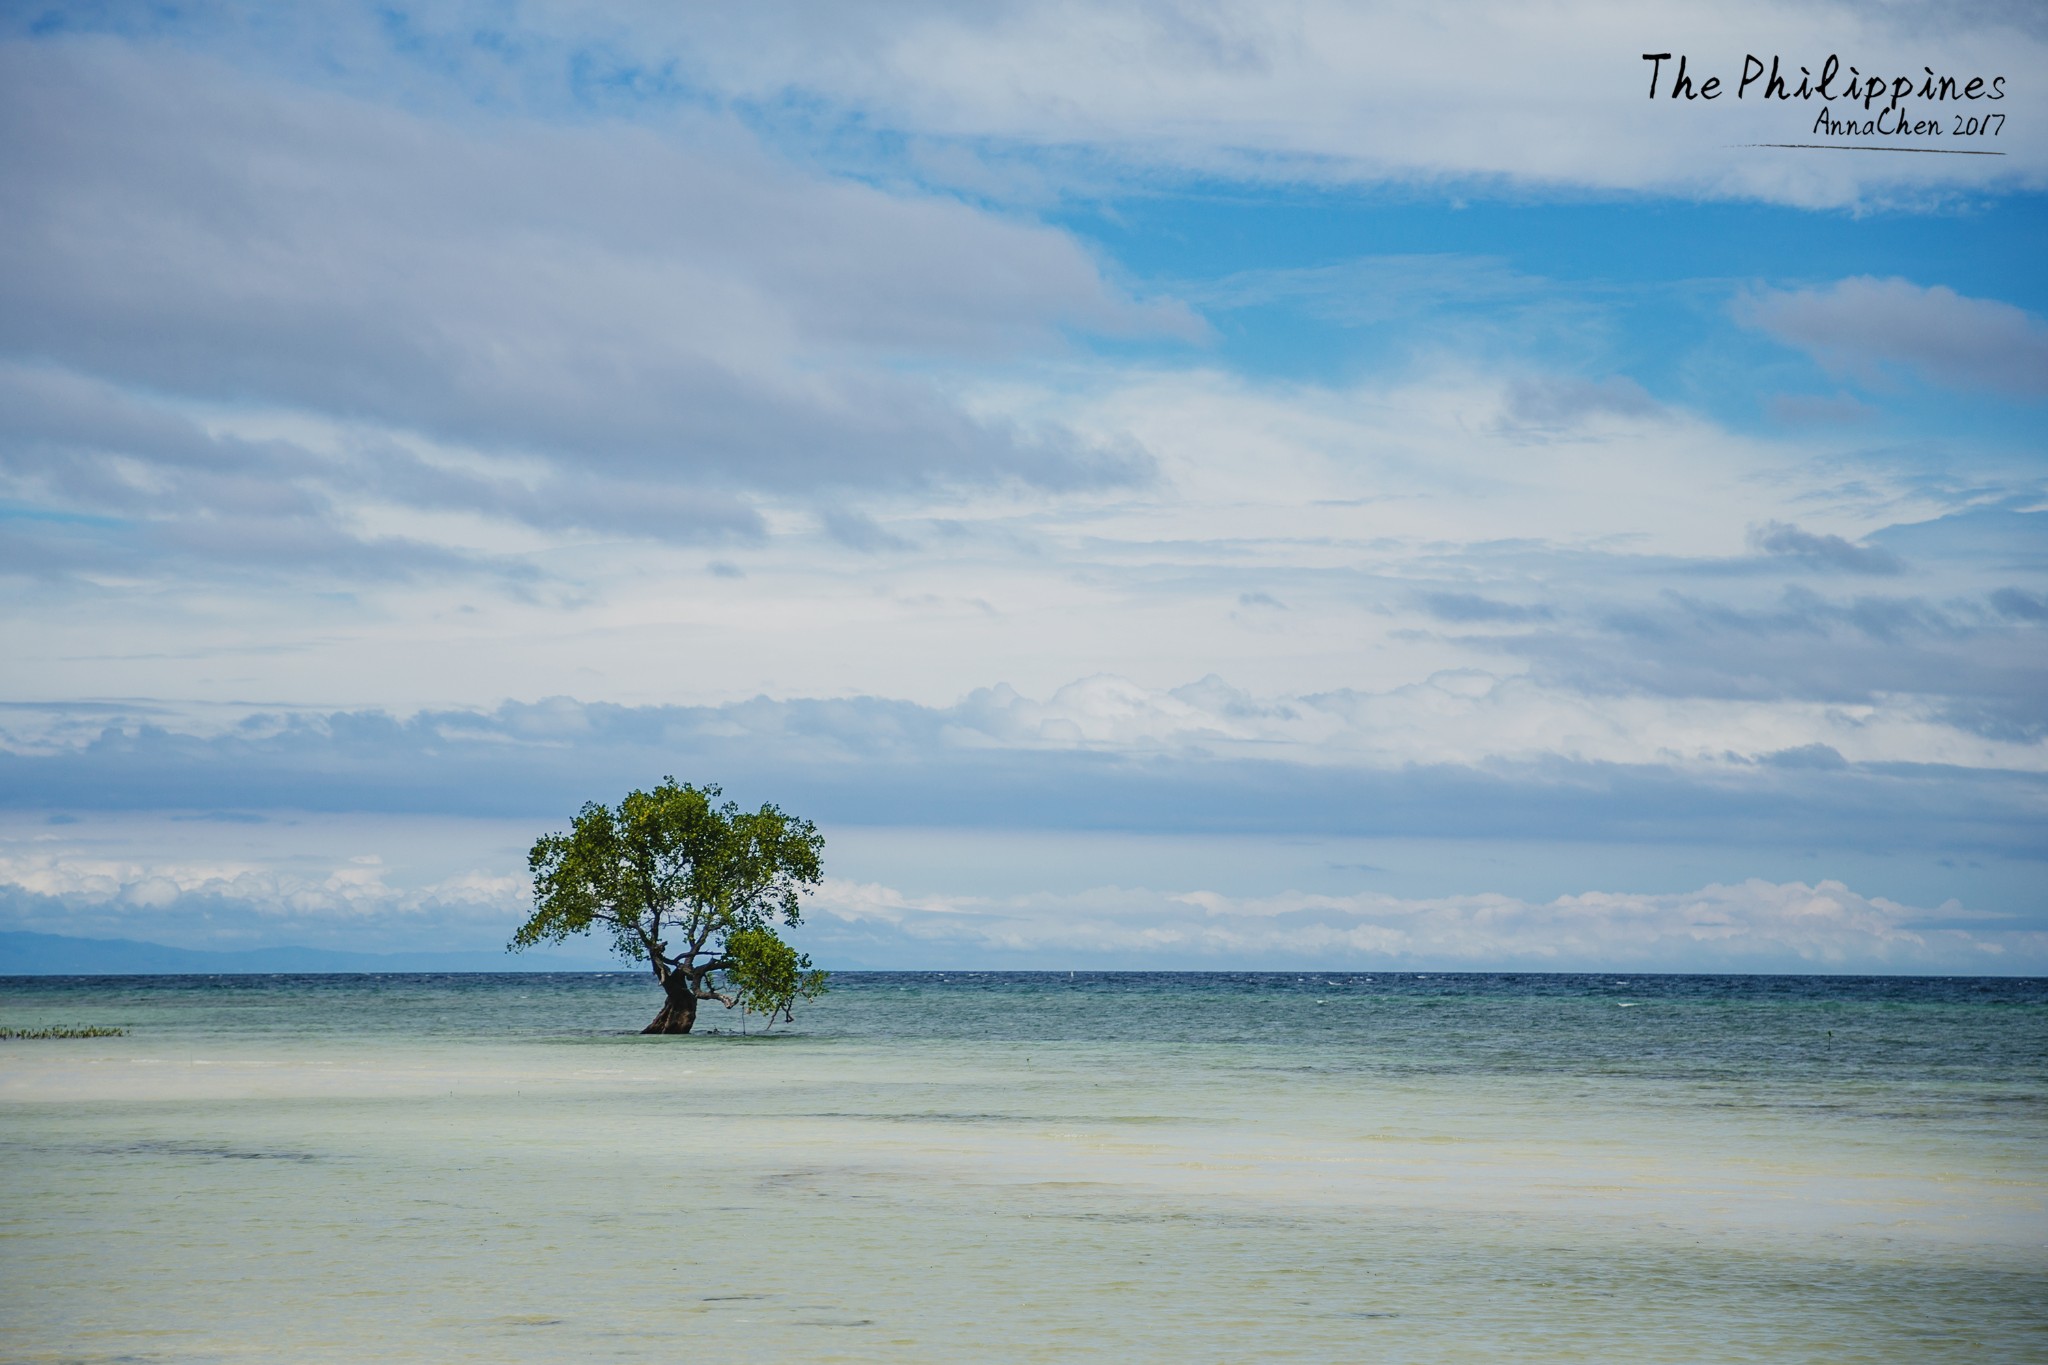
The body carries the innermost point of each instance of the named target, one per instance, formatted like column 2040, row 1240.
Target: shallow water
column 1030, row 1167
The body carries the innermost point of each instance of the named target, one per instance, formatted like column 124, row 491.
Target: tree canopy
column 691, row 887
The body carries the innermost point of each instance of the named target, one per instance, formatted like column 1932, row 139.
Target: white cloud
column 1466, row 716
column 1357, row 504
column 1755, row 925
column 356, row 888
column 1445, row 458
column 658, row 311
column 1862, row 326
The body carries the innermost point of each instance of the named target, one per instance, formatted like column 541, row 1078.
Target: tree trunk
column 679, row 1011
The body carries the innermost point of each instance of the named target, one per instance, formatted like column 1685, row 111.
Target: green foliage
column 676, row 878
column 768, row 975
column 61, row 1031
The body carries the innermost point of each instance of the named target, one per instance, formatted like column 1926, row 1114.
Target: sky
column 1195, row 486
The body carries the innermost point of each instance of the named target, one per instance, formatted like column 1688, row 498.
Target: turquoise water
column 1363, row 1166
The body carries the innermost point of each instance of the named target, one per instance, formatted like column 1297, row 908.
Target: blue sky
column 1161, row 485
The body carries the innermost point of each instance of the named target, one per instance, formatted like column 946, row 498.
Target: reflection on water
column 1010, row 1167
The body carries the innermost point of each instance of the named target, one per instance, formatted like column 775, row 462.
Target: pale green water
column 1026, row 1168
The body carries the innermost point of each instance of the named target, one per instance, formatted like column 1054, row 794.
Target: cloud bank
column 1753, row 926
column 1101, row 755
column 596, row 329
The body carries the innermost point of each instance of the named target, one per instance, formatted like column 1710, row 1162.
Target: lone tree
column 689, row 887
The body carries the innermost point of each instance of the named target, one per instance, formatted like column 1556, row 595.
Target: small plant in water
column 60, row 1031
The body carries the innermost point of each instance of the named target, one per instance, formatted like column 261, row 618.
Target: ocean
column 1029, row 1167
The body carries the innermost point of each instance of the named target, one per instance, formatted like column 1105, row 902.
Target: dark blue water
column 1990, row 1034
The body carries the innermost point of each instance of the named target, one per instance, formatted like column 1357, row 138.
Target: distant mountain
column 25, row 954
